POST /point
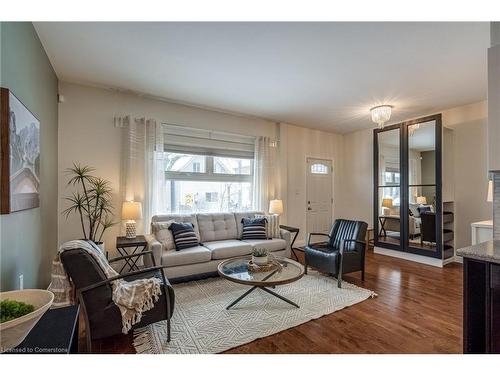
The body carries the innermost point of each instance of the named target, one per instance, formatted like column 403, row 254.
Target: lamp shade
column 489, row 198
column 276, row 206
column 131, row 211
column 387, row 202
column 421, row 200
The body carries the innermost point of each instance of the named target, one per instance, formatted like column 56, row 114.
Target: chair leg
column 339, row 281
column 168, row 330
column 88, row 340
column 363, row 274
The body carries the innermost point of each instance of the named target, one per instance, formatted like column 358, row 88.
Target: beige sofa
column 220, row 235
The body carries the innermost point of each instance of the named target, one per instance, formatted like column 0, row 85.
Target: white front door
column 319, row 193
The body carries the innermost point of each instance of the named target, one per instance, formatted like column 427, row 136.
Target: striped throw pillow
column 254, row 229
column 273, row 225
column 184, row 235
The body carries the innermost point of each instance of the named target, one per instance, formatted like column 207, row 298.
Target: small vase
column 260, row 261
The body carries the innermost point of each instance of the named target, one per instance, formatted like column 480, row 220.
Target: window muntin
column 237, row 166
column 206, row 183
column 188, row 163
column 319, row 168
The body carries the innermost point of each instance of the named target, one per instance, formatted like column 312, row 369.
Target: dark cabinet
column 481, row 307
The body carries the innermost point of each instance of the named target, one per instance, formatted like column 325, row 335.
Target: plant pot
column 260, row 261
column 13, row 332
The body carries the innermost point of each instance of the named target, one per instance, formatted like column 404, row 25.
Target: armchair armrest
column 309, row 235
column 287, row 236
column 118, row 277
column 156, row 248
column 344, row 242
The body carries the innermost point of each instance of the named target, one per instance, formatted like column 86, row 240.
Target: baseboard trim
column 409, row 256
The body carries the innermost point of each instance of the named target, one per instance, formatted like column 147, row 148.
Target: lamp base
column 130, row 230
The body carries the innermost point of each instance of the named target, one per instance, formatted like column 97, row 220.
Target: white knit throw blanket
column 132, row 297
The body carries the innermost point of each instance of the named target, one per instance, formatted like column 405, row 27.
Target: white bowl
column 13, row 332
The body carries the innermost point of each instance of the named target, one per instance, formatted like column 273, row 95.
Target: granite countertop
column 488, row 251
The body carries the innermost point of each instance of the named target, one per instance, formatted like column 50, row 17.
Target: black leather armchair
column 94, row 293
column 344, row 252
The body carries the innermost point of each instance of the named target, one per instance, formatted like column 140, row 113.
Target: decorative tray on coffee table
column 272, row 265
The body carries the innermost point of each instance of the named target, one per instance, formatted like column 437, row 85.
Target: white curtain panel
column 266, row 173
column 143, row 177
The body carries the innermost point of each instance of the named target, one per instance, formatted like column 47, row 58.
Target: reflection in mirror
column 422, row 219
column 389, row 186
column 422, row 185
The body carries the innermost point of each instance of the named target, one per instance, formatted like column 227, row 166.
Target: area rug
column 201, row 323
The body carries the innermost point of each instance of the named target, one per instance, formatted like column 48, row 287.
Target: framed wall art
column 20, row 155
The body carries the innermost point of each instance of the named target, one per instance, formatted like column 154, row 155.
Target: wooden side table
column 130, row 246
column 295, row 232
column 55, row 333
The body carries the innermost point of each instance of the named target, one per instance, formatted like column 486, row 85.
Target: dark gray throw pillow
column 254, row 229
column 184, row 236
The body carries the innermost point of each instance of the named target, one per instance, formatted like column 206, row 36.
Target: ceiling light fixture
column 412, row 129
column 381, row 114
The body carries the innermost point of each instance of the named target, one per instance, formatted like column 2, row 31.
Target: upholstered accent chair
column 94, row 294
column 428, row 227
column 343, row 252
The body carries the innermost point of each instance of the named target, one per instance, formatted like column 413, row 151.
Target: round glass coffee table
column 237, row 270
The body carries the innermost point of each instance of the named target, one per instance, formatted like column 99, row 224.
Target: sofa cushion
column 178, row 218
column 254, row 229
column 184, row 236
column 228, row 248
column 217, row 226
column 192, row 255
column 244, row 215
column 162, row 234
column 274, row 244
column 273, row 225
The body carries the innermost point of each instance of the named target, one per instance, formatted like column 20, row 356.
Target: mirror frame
column 404, row 245
column 376, row 227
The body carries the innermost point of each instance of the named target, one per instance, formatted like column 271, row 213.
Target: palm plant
column 91, row 201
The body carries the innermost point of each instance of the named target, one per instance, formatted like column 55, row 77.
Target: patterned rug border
column 148, row 340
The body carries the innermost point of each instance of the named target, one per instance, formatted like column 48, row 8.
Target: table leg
column 280, row 297
column 241, row 297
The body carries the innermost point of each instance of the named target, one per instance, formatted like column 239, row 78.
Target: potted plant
column 260, row 257
column 91, row 202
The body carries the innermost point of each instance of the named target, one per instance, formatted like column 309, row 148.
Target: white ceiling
column 322, row 75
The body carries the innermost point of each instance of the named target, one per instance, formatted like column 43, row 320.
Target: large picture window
column 208, row 183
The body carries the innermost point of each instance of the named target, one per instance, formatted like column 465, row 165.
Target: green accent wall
column 28, row 239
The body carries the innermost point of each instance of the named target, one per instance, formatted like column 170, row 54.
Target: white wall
column 87, row 135
column 469, row 124
column 470, row 171
column 299, row 143
column 357, row 178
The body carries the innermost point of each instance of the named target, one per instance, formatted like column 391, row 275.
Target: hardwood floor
column 418, row 310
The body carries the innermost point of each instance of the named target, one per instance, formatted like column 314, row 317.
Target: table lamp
column 387, row 202
column 276, row 207
column 131, row 211
column 421, row 200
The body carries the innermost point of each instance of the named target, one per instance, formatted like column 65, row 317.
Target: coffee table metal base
column 264, row 289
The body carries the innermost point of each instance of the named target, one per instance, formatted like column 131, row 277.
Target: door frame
column 332, row 161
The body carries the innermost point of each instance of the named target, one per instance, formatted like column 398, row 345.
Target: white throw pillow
column 163, row 235
column 273, row 225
